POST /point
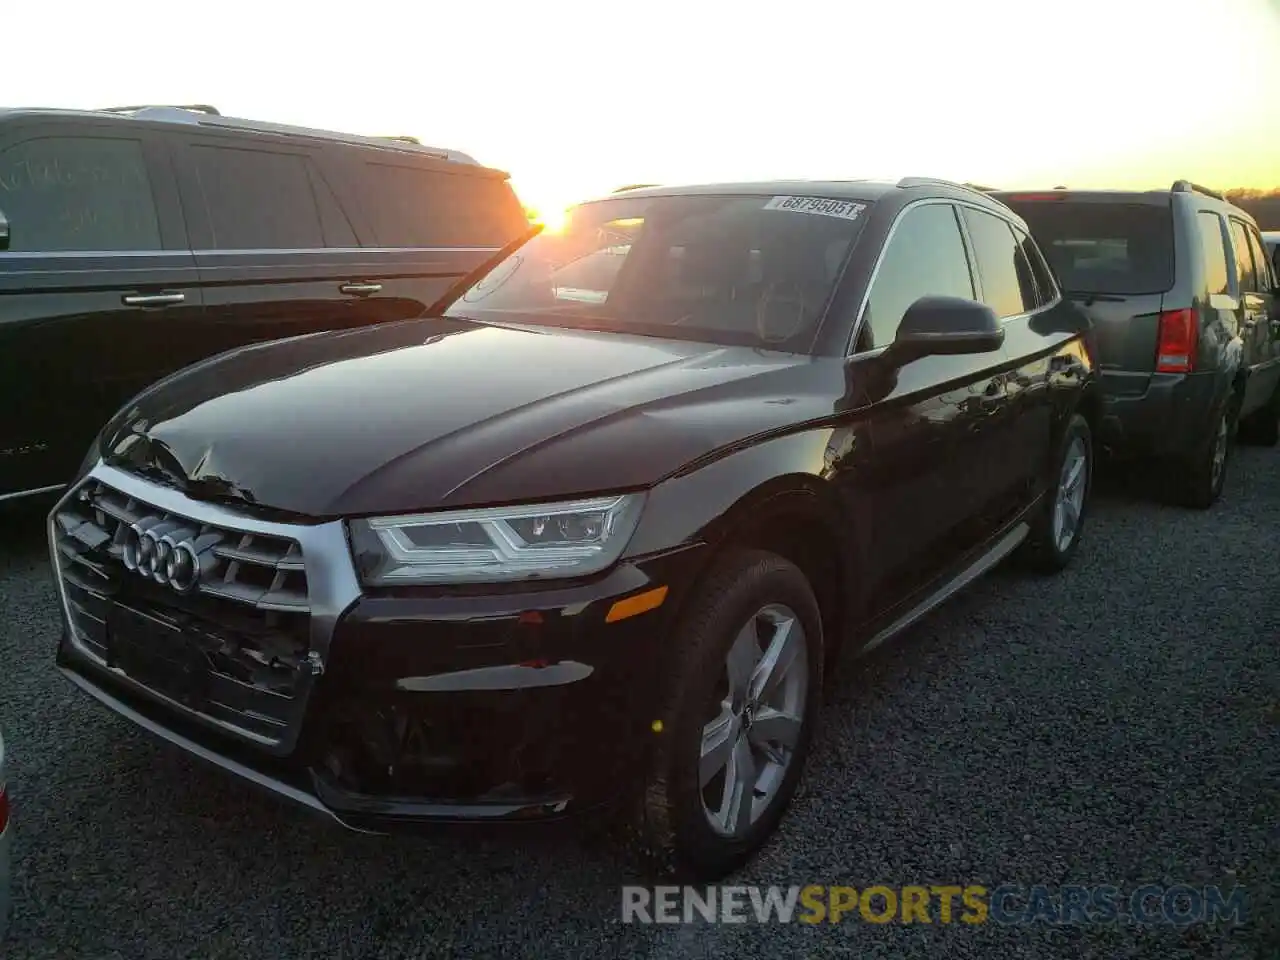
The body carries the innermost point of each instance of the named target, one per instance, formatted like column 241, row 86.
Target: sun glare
column 553, row 219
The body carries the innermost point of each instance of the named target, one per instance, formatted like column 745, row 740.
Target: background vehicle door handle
column 153, row 299
column 361, row 289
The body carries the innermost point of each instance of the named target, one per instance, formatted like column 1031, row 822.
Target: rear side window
column 78, row 194
column 1213, row 252
column 415, row 207
column 1007, row 286
column 262, row 200
column 925, row 257
column 1046, row 286
column 1118, row 248
column 1266, row 280
column 1245, row 272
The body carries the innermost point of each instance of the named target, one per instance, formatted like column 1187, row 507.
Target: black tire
column 1043, row 551
column 1262, row 427
column 1197, row 482
column 677, row 828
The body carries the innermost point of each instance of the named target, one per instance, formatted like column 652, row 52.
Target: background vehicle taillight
column 1176, row 352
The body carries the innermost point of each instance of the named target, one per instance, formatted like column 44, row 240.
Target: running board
column 1007, row 544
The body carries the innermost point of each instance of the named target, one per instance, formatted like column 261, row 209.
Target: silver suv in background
column 1182, row 297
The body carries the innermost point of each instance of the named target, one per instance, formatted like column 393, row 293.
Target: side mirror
column 946, row 326
column 4, row 232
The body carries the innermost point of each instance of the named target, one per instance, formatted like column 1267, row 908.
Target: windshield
column 723, row 269
column 1115, row 248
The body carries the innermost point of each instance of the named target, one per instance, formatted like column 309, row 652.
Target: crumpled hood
column 440, row 412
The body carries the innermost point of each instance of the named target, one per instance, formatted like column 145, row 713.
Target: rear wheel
column 735, row 731
column 1056, row 531
column 1204, row 474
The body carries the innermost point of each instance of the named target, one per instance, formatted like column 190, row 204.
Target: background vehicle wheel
column 1203, row 476
column 1262, row 428
column 745, row 686
column 1056, row 532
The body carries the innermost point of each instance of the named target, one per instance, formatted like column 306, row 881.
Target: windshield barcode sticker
column 845, row 209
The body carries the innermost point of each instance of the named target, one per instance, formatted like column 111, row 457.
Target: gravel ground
column 1117, row 724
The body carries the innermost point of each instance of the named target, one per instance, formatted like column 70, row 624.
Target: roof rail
column 907, row 182
column 1186, row 186
column 635, row 186
column 210, row 117
column 193, row 107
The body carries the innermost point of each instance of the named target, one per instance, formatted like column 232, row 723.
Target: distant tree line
column 1263, row 204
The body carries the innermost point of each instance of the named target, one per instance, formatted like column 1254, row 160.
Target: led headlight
column 541, row 541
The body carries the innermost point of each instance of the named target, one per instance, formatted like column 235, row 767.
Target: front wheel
column 1262, row 428
column 1055, row 535
column 743, row 699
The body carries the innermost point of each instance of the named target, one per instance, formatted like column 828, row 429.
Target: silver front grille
column 258, row 570
column 250, row 634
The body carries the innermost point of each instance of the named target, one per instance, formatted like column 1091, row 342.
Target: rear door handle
column 153, row 299
column 361, row 289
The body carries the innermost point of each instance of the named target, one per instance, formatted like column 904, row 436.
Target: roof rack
column 1186, row 186
column 635, row 186
column 193, row 107
column 907, row 182
column 208, row 116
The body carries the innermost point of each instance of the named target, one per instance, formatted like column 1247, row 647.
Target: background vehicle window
column 1266, row 280
column 1245, row 272
column 1004, row 280
column 1120, row 248
column 258, row 200
column 412, row 207
column 1213, row 249
column 1046, row 286
column 925, row 258
column 78, row 194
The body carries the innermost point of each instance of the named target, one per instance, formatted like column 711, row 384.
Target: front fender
column 709, row 503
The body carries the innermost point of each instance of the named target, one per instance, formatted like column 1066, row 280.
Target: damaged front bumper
column 404, row 709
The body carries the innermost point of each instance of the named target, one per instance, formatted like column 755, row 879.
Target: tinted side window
column 258, row 200
column 1213, row 251
column 1245, row 271
column 1265, row 280
column 78, row 194
column 414, row 207
column 1046, row 286
column 1004, row 281
column 925, row 257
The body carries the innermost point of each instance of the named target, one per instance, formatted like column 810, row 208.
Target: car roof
column 209, row 118
column 1160, row 198
column 866, row 191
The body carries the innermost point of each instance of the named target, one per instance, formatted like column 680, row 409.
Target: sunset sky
column 577, row 98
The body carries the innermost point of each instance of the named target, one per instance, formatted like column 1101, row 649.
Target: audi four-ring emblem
column 169, row 552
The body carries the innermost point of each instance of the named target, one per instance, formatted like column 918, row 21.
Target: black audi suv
column 599, row 530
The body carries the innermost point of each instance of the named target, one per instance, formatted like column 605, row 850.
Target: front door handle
column 153, row 299
column 361, row 289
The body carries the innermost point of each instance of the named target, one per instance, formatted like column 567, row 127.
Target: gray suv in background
column 1181, row 293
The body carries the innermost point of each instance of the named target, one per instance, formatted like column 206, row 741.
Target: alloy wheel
column 750, row 742
column 1069, row 504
